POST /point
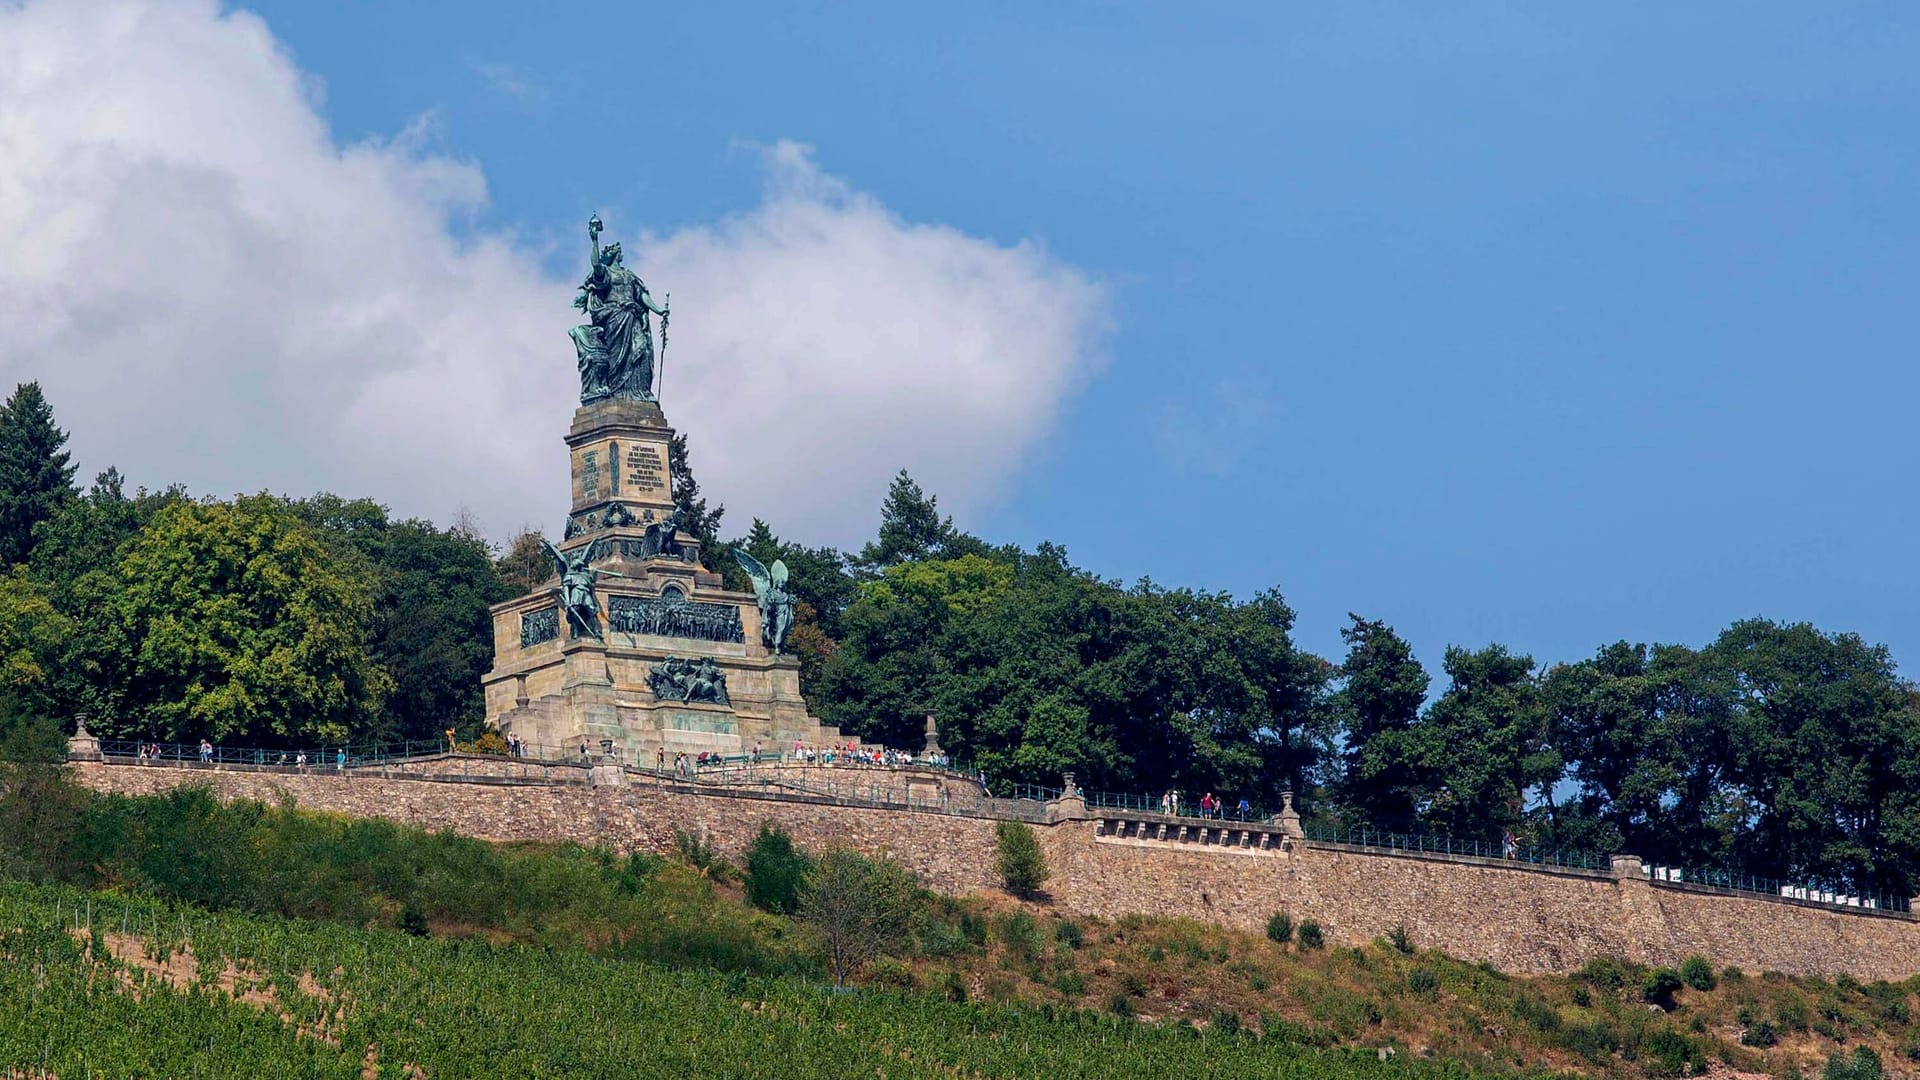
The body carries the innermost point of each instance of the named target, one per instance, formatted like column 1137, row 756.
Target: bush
column 1669, row 1053
column 1862, row 1064
column 1068, row 933
column 1697, row 973
column 1022, row 865
column 413, row 921
column 1759, row 1033
column 1423, row 981
column 1581, row 996
column 1731, row 974
column 776, row 871
column 1660, row 986
column 1121, row 1005
column 1280, row 927
column 1604, row 972
column 1310, row 935
column 1399, row 939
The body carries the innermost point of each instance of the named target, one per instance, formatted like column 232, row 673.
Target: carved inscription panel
column 646, row 472
column 590, row 475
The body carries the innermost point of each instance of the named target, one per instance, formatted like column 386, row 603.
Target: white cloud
column 213, row 290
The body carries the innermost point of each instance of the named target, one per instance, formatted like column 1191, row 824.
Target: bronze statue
column 576, row 585
column 616, row 346
column 776, row 600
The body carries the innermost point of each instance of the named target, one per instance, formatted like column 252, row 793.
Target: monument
column 635, row 643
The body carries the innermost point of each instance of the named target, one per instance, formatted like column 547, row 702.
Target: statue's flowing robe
column 615, row 306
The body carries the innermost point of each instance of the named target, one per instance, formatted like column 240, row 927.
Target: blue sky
column 1541, row 325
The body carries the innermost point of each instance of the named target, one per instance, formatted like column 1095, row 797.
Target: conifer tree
column 36, row 476
column 910, row 527
column 695, row 518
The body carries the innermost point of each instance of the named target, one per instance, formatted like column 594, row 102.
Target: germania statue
column 616, row 345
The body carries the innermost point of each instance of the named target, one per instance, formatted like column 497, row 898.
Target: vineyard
column 100, row 984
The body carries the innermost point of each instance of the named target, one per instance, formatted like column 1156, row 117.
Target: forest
column 1777, row 749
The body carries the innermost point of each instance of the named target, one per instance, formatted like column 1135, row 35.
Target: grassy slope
column 153, row 990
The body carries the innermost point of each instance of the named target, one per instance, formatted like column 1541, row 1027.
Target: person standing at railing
column 206, row 752
column 1243, row 810
column 1509, row 845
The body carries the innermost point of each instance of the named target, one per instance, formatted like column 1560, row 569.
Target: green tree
column 238, row 622
column 860, row 907
column 776, row 871
column 525, row 566
column 433, row 632
column 912, row 529
column 1017, row 855
column 1485, row 742
column 1828, row 757
column 34, row 642
column 1378, row 706
column 36, row 477
column 695, row 517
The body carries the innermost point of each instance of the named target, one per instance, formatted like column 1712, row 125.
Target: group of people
column 1211, row 806
column 853, row 754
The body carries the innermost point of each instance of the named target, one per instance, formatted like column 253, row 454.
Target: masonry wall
column 1520, row 918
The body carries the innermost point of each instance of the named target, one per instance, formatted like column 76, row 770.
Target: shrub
column 974, row 928
column 1604, row 972
column 1581, row 996
column 1697, row 973
column 941, row 939
column 1731, row 974
column 1310, row 935
column 1423, row 981
column 1068, row 933
column 1022, row 865
column 413, row 921
column 1862, row 1064
column 1225, row 1021
column 950, row 985
column 1280, row 927
column 1759, row 1033
column 1019, row 933
column 1669, row 1053
column 776, row 871
column 1660, row 986
column 1120, row 1005
column 490, row 743
column 1133, row 984
column 1399, row 939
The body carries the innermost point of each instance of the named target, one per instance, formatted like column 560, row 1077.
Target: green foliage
column 239, row 623
column 1659, row 987
column 860, row 907
column 776, row 871
column 1382, row 689
column 1310, row 935
column 1759, row 1033
column 1280, row 927
column 1398, row 939
column 1666, row 1052
column 1017, row 856
column 36, row 475
column 1604, row 972
column 1862, row 1064
column 1697, row 973
column 1068, row 933
column 387, row 1004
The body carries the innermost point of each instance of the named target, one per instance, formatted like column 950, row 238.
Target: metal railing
column 1452, row 845
column 1778, row 888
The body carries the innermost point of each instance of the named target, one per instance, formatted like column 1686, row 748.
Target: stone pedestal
column 657, row 601
column 81, row 745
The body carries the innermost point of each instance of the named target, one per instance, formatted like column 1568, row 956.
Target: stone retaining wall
column 1519, row 917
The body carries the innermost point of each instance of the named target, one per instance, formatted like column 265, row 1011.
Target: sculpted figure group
column 679, row 679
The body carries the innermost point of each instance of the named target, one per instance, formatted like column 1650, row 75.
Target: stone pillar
column 1288, row 818
column 1628, row 868
column 81, row 745
column 932, row 747
column 1070, row 806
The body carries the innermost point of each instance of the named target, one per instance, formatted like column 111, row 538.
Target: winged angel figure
column 576, row 585
column 776, row 600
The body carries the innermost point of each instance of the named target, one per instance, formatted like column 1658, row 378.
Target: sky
column 1545, row 325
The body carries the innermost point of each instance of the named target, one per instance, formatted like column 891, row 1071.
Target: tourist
column 206, row 752
column 1244, row 809
column 451, row 744
column 300, row 760
column 660, row 759
column 583, row 751
column 1509, row 845
column 340, row 759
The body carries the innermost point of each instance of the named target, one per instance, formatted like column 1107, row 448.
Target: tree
column 237, row 621
column 36, row 477
column 526, row 565
column 1378, row 704
column 433, row 632
column 776, row 871
column 1485, row 742
column 34, row 639
column 1017, row 855
column 861, row 907
column 695, row 517
column 1828, row 757
column 911, row 529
